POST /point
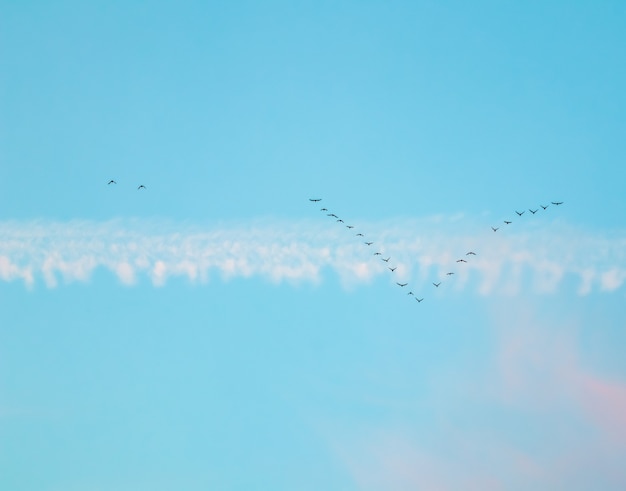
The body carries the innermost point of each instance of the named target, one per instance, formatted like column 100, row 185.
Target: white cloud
column 423, row 251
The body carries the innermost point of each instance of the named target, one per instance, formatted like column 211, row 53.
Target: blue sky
column 218, row 331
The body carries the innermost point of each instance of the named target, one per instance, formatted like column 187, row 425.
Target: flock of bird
column 386, row 260
column 112, row 181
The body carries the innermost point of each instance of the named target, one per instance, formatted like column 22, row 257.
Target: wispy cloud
column 423, row 250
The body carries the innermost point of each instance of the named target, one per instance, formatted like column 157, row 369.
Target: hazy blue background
column 233, row 114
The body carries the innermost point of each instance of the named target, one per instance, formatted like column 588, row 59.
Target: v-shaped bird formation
column 460, row 261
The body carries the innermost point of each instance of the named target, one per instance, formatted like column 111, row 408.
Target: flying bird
column 437, row 284
column 360, row 235
column 508, row 223
column 495, row 229
column 520, row 214
column 419, row 299
column 350, row 226
column 401, row 284
column 410, row 293
column 386, row 260
column 461, row 261
column 448, row 274
column 393, row 269
column 470, row 253
column 533, row 211
column 111, row 182
column 141, row 187
column 323, row 209
column 377, row 254
column 340, row 220
column 332, row 215
column 315, row 200
column 368, row 243
column 557, row 203
column 544, row 207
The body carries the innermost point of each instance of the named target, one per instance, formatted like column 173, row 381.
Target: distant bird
column 141, row 187
column 368, row 243
column 461, row 261
column 437, row 284
column 419, row 299
column 557, row 203
column 393, row 269
column 111, row 182
column 360, row 235
column 544, row 207
column 401, row 284
column 386, row 260
column 495, row 229
column 315, row 200
column 377, row 254
column 520, row 214
column 410, row 293
column 350, row 226
column 323, row 209
column 508, row 223
column 533, row 211
column 470, row 253
column 340, row 220
column 448, row 274
column 332, row 215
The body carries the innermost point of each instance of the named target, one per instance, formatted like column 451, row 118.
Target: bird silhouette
column 377, row 254
column 386, row 260
column 520, row 214
column 340, row 220
column 141, row 187
column 368, row 243
column 315, row 200
column 461, row 261
column 332, row 215
column 437, row 284
column 533, row 211
column 359, row 235
column 544, row 207
column 448, row 274
column 419, row 299
column 323, row 209
column 508, row 223
column 470, row 253
column 350, row 226
column 557, row 203
column 401, row 284
column 111, row 182
column 495, row 229
column 410, row 293
column 393, row 269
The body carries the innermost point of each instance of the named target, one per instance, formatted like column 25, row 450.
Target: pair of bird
column 112, row 181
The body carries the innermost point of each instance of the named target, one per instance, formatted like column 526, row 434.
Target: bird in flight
column 141, row 186
column 544, row 207
column 393, row 269
column 437, row 284
column 332, row 215
column 360, row 235
column 419, row 299
column 533, row 211
column 377, row 254
column 323, row 209
column 461, row 261
column 111, row 182
column 401, row 284
column 557, row 203
column 368, row 243
column 520, row 214
column 448, row 274
column 410, row 293
column 495, row 229
column 386, row 260
column 340, row 220
column 470, row 253
column 350, row 226
column 507, row 222
column 315, row 200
